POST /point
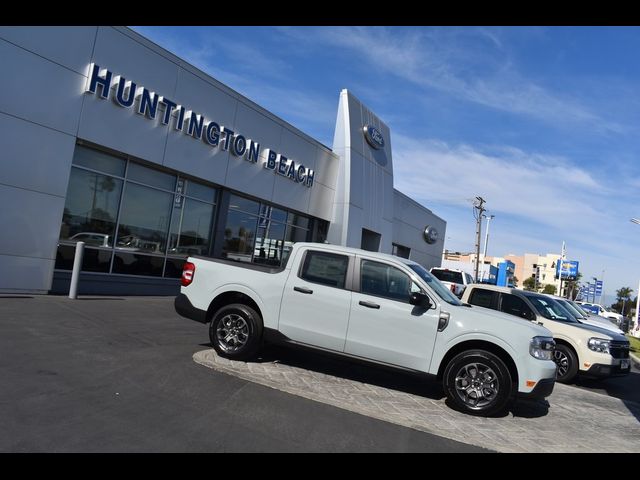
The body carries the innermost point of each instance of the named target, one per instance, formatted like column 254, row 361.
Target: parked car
column 580, row 348
column 584, row 317
column 374, row 307
column 92, row 238
column 598, row 309
column 455, row 280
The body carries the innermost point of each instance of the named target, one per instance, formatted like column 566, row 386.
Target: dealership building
column 111, row 140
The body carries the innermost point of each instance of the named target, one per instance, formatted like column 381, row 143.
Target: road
column 626, row 388
column 117, row 375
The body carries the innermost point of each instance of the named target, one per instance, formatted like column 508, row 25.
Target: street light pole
column 486, row 241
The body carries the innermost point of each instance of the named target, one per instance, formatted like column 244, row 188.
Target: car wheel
column 236, row 332
column 478, row 382
column 567, row 363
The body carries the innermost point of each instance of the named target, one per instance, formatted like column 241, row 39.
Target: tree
column 623, row 299
column 515, row 281
column 572, row 286
column 529, row 284
column 551, row 289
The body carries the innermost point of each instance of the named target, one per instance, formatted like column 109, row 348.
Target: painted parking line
column 571, row 420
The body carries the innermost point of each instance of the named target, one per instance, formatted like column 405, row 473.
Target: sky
column 542, row 122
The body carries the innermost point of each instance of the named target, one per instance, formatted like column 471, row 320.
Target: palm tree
column 572, row 286
column 623, row 295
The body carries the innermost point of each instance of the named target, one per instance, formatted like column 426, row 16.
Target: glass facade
column 134, row 220
column 261, row 233
column 137, row 220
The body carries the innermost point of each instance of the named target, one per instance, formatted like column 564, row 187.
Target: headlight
column 542, row 347
column 599, row 345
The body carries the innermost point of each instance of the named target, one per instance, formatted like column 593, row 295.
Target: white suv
column 580, row 348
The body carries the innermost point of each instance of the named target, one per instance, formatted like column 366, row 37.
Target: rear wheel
column 567, row 363
column 236, row 332
column 478, row 382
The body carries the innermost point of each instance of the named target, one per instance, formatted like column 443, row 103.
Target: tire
column 486, row 394
column 235, row 332
column 567, row 363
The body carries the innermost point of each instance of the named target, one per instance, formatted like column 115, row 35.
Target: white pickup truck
column 373, row 307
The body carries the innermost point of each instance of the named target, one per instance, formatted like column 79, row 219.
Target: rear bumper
column 183, row 306
column 541, row 391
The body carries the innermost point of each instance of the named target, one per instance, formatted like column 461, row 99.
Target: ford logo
column 374, row 137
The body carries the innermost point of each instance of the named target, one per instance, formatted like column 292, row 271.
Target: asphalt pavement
column 116, row 374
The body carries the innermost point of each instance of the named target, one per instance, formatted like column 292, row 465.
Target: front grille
column 619, row 349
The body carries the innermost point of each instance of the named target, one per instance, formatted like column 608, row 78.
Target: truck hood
column 601, row 332
column 496, row 319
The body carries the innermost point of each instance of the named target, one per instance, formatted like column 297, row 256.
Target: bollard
column 77, row 266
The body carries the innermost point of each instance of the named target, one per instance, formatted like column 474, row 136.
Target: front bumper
column 183, row 306
column 601, row 370
column 541, row 391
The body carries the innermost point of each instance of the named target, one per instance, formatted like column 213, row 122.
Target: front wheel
column 236, row 332
column 567, row 363
column 478, row 382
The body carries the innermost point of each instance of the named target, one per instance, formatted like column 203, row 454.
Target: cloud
column 470, row 64
column 545, row 189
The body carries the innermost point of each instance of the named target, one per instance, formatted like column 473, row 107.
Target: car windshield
column 549, row 308
column 443, row 292
column 447, row 275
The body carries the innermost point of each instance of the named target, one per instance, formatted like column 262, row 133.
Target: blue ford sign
column 374, row 137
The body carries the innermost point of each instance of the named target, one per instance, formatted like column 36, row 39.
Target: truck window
column 483, row 298
column 384, row 280
column 325, row 268
column 448, row 276
column 514, row 305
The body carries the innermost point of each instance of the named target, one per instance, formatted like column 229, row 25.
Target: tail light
column 188, row 271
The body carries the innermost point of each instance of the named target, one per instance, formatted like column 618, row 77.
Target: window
column 91, row 208
column 190, row 232
column 384, row 280
column 152, row 213
column 484, row 298
column 514, row 305
column 144, row 219
column 550, row 309
column 239, row 236
column 260, row 233
column 447, row 275
column 325, row 268
column 400, row 251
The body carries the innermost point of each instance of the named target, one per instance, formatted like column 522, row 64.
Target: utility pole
column 562, row 257
column 486, row 241
column 478, row 210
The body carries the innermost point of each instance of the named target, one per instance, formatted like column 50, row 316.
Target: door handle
column 369, row 304
column 303, row 290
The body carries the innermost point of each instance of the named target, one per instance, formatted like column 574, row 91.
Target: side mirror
column 420, row 300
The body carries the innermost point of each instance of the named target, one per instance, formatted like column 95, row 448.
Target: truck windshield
column 577, row 312
column 443, row 292
column 551, row 309
column 447, row 276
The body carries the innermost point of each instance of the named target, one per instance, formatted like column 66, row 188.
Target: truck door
column 383, row 325
column 317, row 300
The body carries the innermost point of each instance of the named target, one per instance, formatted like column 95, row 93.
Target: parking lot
column 128, row 374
